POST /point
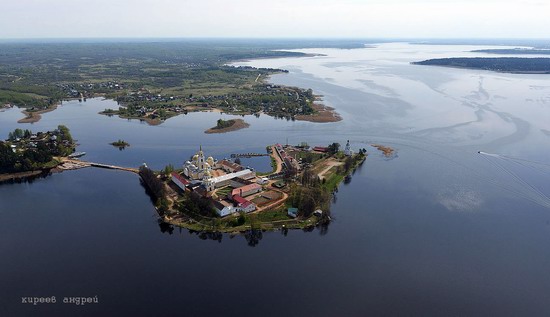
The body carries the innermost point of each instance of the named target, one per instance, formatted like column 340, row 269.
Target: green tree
column 168, row 169
column 334, row 148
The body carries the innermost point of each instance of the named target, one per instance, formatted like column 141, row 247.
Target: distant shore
column 298, row 54
column 238, row 124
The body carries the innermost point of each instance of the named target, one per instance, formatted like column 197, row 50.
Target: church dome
column 195, row 157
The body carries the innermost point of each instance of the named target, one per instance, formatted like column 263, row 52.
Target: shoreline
column 219, row 225
column 246, row 60
column 20, row 175
column 324, row 114
column 35, row 116
column 238, row 124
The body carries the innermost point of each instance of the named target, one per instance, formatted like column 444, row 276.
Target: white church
column 199, row 168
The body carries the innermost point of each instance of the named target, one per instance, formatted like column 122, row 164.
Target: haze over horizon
column 277, row 19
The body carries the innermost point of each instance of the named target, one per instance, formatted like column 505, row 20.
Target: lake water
column 438, row 230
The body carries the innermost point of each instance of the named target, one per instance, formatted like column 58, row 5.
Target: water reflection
column 28, row 179
column 251, row 236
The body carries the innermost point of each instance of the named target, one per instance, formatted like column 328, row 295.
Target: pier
column 248, row 155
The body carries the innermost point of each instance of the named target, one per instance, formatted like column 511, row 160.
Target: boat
column 77, row 154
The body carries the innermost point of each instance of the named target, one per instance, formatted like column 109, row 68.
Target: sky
column 275, row 18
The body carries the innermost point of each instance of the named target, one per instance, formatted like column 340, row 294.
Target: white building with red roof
column 179, row 180
column 244, row 204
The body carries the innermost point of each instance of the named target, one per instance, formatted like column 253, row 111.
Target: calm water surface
column 437, row 230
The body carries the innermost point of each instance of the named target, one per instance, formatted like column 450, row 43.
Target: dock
column 248, row 155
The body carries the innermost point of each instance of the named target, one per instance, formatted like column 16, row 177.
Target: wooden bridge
column 114, row 167
column 100, row 165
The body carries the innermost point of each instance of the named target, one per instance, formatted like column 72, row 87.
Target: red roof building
column 179, row 180
column 321, row 149
column 246, row 190
column 243, row 204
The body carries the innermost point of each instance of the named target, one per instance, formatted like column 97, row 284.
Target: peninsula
column 518, row 65
column 25, row 154
column 223, row 196
column 514, row 51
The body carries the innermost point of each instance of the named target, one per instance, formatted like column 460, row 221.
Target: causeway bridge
column 80, row 164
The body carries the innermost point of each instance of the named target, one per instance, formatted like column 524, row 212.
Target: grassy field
column 224, row 191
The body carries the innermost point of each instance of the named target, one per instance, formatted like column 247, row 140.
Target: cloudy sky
column 275, row 18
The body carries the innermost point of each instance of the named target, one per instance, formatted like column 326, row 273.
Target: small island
column 386, row 150
column 516, row 65
column 223, row 126
column 26, row 154
column 223, row 196
column 120, row 144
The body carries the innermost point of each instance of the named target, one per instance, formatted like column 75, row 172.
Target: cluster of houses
column 31, row 141
column 86, row 89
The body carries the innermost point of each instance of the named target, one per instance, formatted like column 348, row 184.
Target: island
column 223, row 196
column 120, row 144
column 223, row 126
column 386, row 150
column 26, row 154
column 517, row 65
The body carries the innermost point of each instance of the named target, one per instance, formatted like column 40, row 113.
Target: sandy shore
column 324, row 114
column 386, row 150
column 35, row 116
column 237, row 125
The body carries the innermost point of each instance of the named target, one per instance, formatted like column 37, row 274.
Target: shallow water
column 438, row 230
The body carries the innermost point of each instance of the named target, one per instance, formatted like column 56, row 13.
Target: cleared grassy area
column 224, row 191
column 333, row 181
column 272, row 215
column 307, row 156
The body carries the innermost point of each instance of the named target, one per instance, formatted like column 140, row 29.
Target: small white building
column 224, row 208
column 262, row 181
column 244, row 204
